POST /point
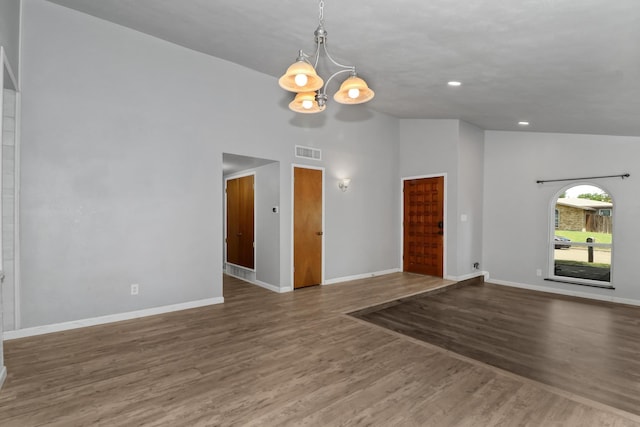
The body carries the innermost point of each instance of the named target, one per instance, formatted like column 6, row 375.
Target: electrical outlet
column 476, row 265
column 135, row 288
column 538, row 272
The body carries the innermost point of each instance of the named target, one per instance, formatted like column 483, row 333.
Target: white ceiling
column 564, row 65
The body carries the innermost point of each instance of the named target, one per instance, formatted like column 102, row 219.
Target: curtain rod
column 623, row 176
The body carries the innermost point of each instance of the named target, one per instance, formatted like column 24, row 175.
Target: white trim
column 7, row 65
column 320, row 168
column 360, row 276
column 567, row 292
column 82, row 323
column 242, row 267
column 16, row 207
column 469, row 276
column 20, row 43
column 444, row 214
column 272, row 288
column 4, row 64
column 3, row 375
column 262, row 284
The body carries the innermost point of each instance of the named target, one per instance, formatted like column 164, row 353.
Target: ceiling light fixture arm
column 310, row 88
column 326, row 51
column 321, row 40
column 350, row 70
column 321, row 97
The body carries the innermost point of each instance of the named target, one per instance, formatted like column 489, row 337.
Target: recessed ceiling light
column 453, row 83
column 523, row 123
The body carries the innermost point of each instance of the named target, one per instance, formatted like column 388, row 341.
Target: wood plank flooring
column 266, row 359
column 586, row 347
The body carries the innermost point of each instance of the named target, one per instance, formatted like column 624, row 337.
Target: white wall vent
column 308, row 152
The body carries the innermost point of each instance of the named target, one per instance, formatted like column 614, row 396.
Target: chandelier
column 311, row 90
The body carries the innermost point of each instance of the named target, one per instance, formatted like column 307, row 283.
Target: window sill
column 580, row 283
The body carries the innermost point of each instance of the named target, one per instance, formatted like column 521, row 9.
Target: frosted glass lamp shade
column 306, row 103
column 301, row 72
column 354, row 90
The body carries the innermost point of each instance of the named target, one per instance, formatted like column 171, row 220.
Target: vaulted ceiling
column 562, row 65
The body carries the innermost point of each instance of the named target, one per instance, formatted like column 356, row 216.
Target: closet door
column 240, row 221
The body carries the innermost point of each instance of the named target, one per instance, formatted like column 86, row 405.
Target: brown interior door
column 240, row 221
column 423, row 226
column 307, row 227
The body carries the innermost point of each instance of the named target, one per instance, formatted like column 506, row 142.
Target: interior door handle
column 238, row 234
column 440, row 224
column 319, row 233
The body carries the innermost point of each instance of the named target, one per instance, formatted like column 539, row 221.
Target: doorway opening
column 251, row 219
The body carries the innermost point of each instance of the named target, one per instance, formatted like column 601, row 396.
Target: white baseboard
column 82, row 323
column 566, row 292
column 3, row 375
column 360, row 276
column 264, row 285
column 469, row 276
column 272, row 287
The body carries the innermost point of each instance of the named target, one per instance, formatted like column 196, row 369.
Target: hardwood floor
column 266, row 359
column 586, row 347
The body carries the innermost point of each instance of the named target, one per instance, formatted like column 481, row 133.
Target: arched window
column 582, row 236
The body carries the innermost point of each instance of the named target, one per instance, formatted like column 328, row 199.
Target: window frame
column 552, row 228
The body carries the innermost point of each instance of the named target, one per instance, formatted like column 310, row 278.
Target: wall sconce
column 343, row 184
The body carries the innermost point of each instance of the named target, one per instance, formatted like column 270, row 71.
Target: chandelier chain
column 321, row 6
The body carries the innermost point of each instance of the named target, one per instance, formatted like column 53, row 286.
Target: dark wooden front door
column 307, row 227
column 240, row 221
column 423, row 226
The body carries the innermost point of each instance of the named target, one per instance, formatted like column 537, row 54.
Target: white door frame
column 444, row 214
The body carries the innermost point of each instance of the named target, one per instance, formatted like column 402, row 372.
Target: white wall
column 470, row 198
column 10, row 43
column 10, row 31
column 516, row 207
column 8, row 208
column 123, row 136
column 8, row 103
column 454, row 148
column 361, row 234
column 431, row 147
column 267, row 231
